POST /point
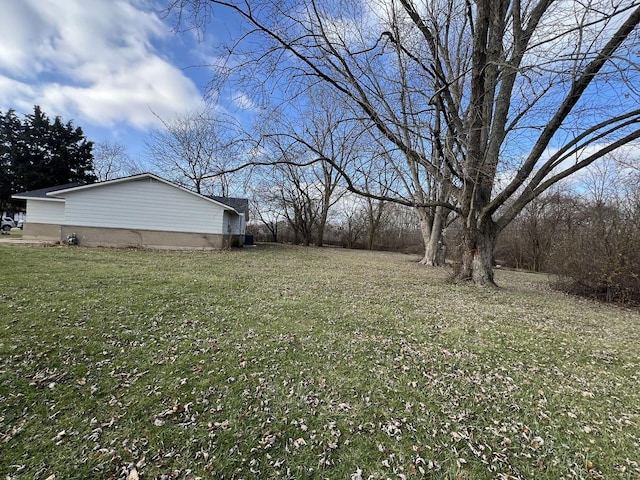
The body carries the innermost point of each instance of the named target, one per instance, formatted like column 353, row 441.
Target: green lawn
column 284, row 362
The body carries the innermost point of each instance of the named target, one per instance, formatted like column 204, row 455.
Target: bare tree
column 111, row 160
column 197, row 150
column 351, row 220
column 399, row 228
column 299, row 201
column 607, row 226
column 289, row 189
column 328, row 140
column 325, row 132
column 381, row 176
column 526, row 91
column 528, row 242
column 265, row 212
column 374, row 211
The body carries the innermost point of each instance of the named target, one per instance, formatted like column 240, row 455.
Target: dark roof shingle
column 42, row 192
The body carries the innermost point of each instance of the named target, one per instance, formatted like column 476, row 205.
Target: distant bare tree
column 197, row 150
column 351, row 223
column 111, row 160
column 529, row 241
column 327, row 141
column 290, row 191
column 597, row 254
column 327, row 134
column 265, row 209
column 300, row 202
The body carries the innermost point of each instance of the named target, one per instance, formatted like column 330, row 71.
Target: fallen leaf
column 537, row 442
column 133, row 474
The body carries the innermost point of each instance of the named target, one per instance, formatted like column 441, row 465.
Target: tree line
column 587, row 238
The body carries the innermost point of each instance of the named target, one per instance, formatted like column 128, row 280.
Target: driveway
column 17, row 239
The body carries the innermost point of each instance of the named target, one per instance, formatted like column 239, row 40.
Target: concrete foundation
column 123, row 238
column 41, row 232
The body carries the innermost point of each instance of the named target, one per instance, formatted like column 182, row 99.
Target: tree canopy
column 36, row 152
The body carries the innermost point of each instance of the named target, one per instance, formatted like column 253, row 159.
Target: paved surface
column 17, row 240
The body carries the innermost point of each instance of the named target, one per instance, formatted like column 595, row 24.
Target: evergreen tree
column 10, row 127
column 37, row 153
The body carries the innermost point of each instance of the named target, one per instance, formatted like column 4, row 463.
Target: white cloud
column 91, row 61
column 243, row 102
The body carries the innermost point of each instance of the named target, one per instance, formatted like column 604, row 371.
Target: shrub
column 600, row 257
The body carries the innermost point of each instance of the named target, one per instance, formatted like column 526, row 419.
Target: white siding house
column 48, row 210
column 45, row 214
column 141, row 210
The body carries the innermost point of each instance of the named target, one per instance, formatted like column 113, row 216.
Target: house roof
column 58, row 193
column 42, row 193
column 240, row 205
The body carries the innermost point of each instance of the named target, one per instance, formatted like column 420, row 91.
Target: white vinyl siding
column 144, row 204
column 45, row 211
column 234, row 224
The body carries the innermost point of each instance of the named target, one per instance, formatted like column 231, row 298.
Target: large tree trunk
column 477, row 255
column 321, row 227
column 371, row 236
column 431, row 227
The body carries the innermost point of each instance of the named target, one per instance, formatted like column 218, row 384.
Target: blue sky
column 108, row 65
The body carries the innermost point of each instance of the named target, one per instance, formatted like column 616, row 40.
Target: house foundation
column 128, row 238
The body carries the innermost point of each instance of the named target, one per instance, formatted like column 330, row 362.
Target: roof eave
column 44, row 199
column 61, row 193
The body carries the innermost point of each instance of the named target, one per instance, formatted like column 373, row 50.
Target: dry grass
column 282, row 362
